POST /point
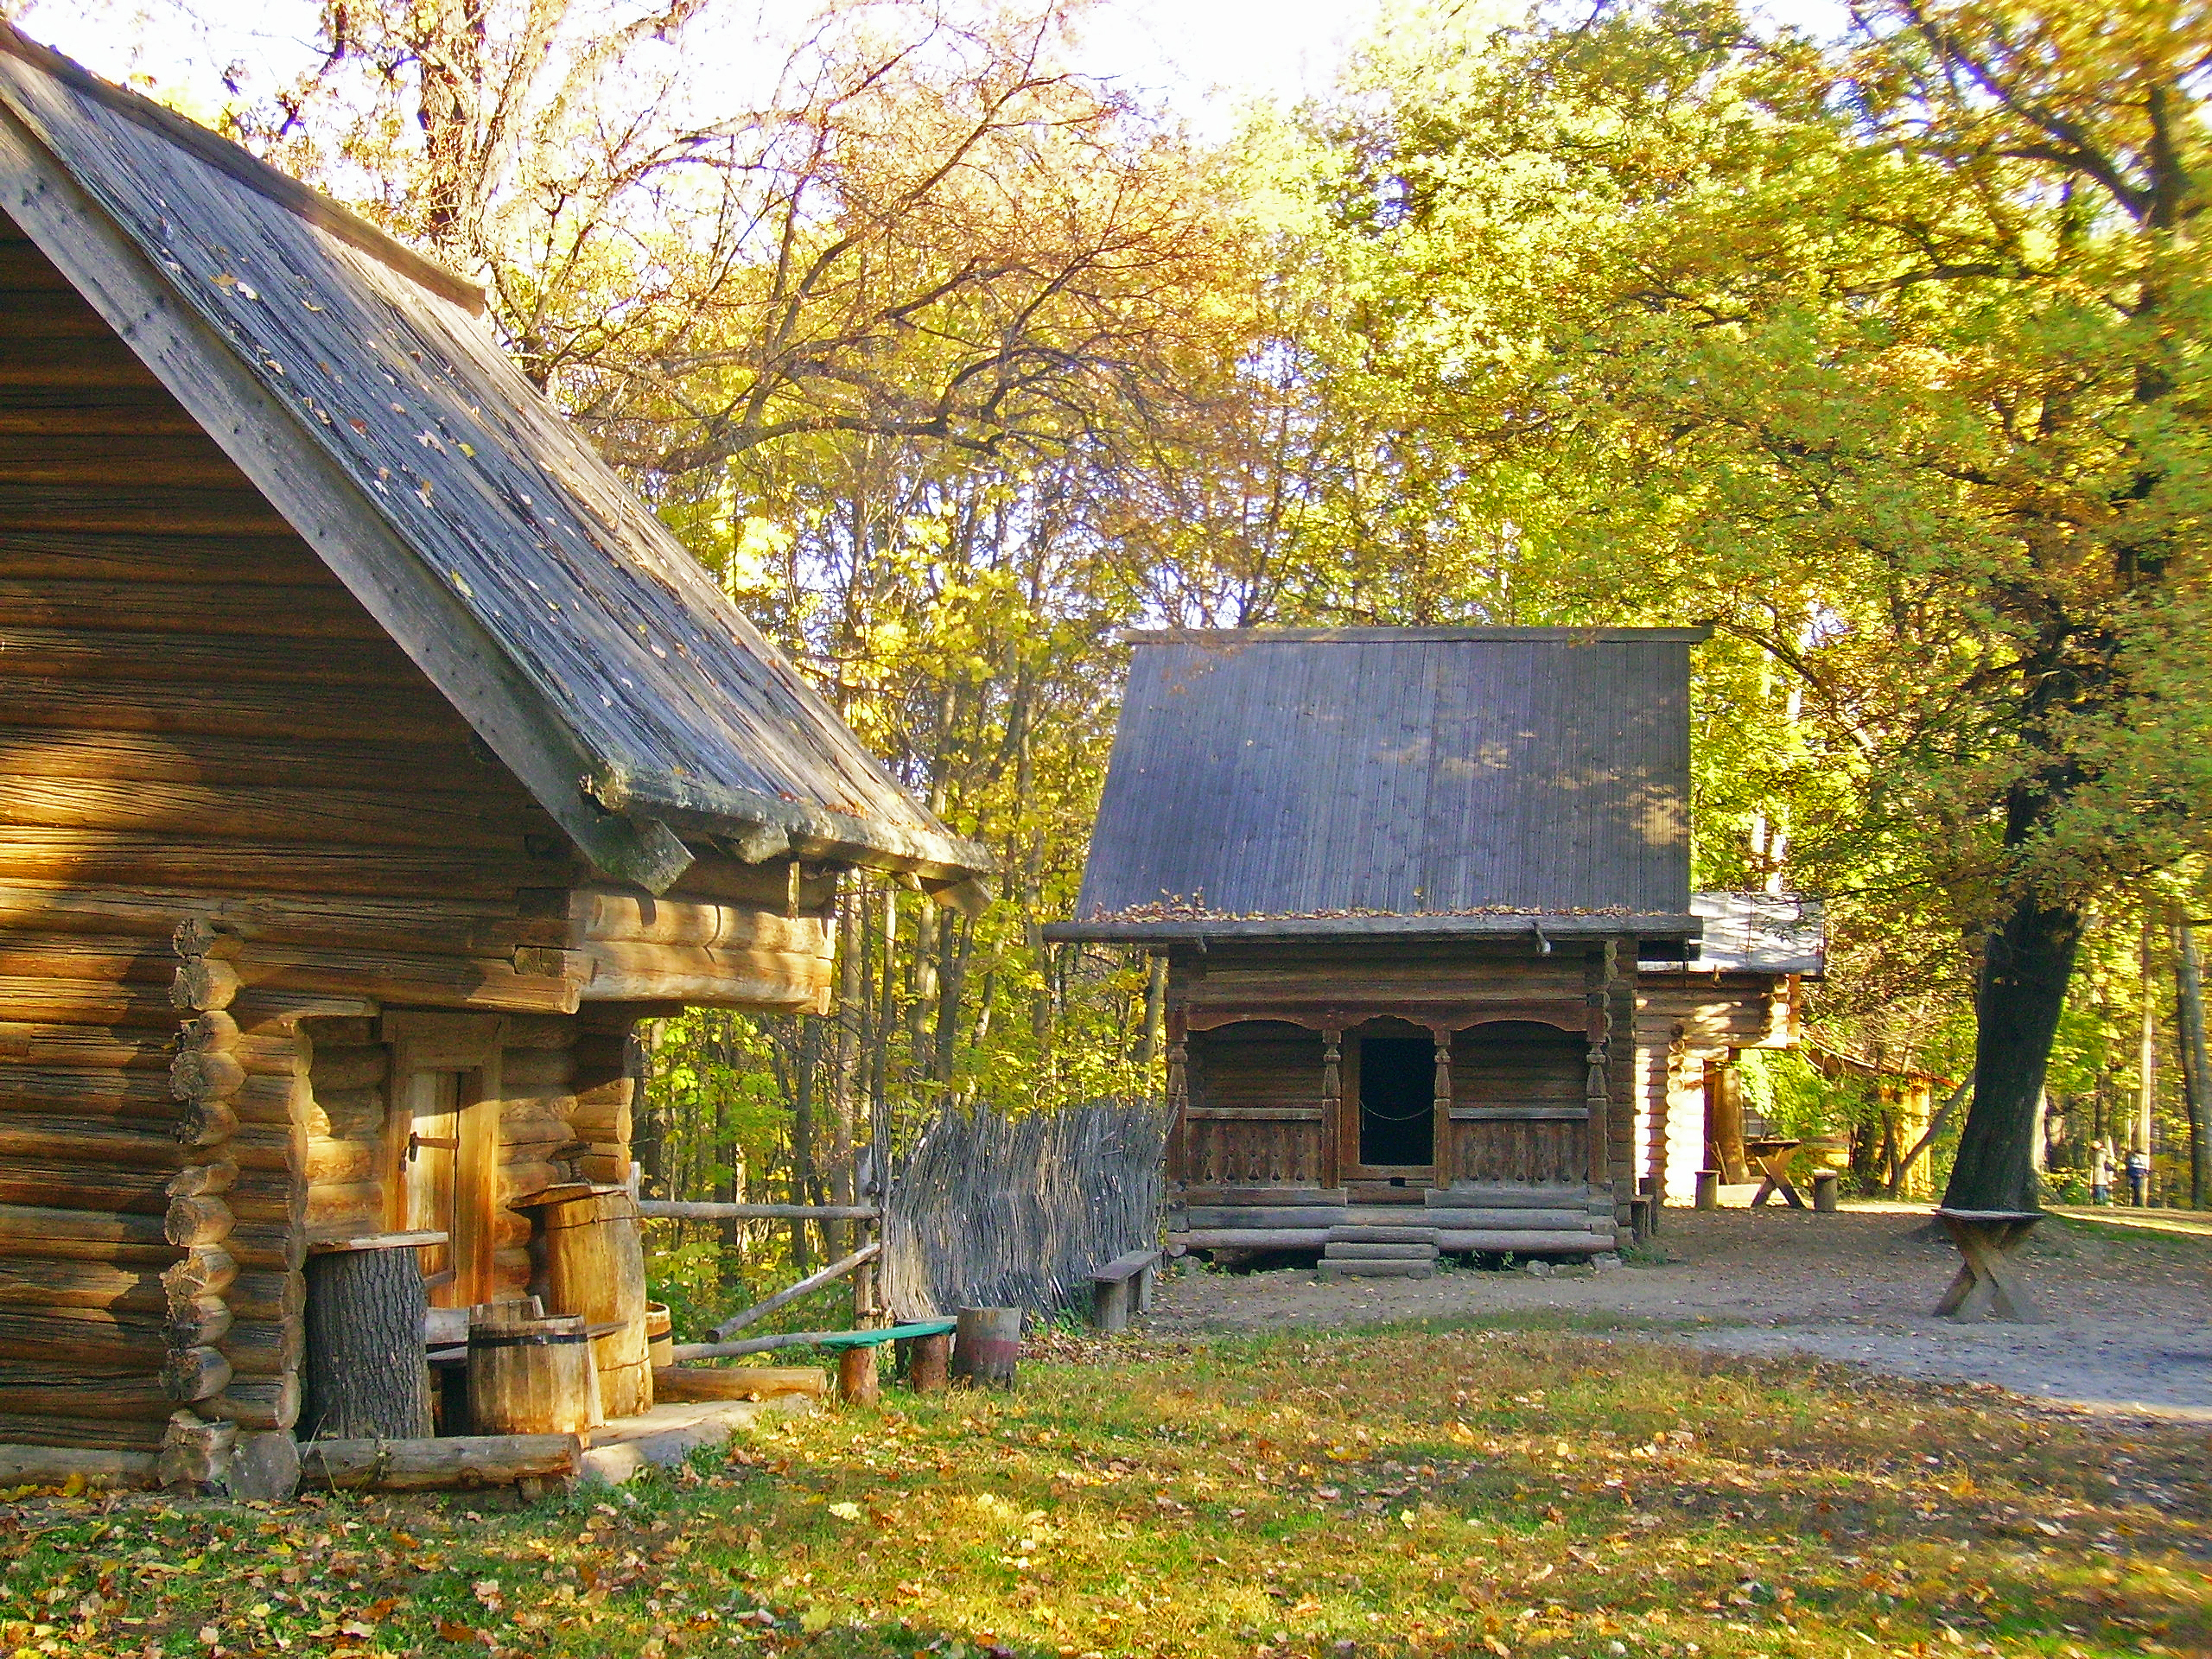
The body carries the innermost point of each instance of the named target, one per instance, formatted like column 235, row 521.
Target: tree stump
column 986, row 1346
column 1989, row 1285
column 367, row 1376
column 928, row 1366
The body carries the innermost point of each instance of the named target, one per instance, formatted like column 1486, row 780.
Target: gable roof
column 1416, row 782
column 355, row 384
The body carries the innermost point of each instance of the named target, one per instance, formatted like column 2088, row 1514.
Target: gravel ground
column 2130, row 1312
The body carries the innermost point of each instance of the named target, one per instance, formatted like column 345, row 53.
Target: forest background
column 1884, row 356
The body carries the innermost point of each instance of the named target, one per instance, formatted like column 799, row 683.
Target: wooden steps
column 1535, row 1220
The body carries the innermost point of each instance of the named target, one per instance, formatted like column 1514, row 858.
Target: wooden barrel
column 527, row 1374
column 660, row 1336
column 595, row 1268
column 986, row 1345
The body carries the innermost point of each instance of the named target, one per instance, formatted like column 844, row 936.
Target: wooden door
column 442, row 1147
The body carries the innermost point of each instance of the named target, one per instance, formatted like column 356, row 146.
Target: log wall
column 237, row 827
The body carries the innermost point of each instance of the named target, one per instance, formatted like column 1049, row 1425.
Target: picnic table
column 1771, row 1155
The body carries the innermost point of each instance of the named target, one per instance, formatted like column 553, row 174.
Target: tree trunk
column 2197, row 1063
column 807, row 1069
column 365, row 1371
column 2025, row 967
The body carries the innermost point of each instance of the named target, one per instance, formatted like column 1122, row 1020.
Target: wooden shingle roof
column 1409, row 782
column 357, row 385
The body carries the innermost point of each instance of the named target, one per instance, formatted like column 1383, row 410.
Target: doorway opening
column 1397, row 1101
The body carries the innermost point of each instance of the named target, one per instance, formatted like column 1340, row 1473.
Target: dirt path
column 2130, row 1311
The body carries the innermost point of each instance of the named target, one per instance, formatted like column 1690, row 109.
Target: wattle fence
column 1016, row 1212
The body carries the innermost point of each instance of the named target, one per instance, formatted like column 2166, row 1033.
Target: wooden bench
column 856, row 1349
column 1122, row 1286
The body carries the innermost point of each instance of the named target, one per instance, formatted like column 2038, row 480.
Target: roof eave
column 757, row 828
column 1531, row 926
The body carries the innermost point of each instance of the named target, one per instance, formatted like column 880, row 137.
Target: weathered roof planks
column 1399, row 781
column 354, row 384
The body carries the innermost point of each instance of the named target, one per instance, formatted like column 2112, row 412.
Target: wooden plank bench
column 1122, row 1286
column 857, row 1384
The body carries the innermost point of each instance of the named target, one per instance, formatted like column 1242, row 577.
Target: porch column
column 1333, row 1104
column 1440, row 1133
column 1178, row 1095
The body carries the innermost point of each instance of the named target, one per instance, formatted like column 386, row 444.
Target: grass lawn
column 1483, row 1492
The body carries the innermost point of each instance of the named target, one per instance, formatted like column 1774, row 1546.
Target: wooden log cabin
column 1695, row 1018
column 371, row 762
column 1401, row 878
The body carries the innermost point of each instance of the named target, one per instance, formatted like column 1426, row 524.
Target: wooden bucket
column 529, row 1375
column 986, row 1346
column 595, row 1268
column 660, row 1336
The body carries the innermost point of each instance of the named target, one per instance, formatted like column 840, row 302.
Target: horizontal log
column 22, row 1226
column 349, row 1068
column 200, row 1321
column 688, row 1352
column 209, row 1272
column 267, row 1247
column 338, row 1163
column 85, row 1095
column 94, row 1000
column 32, row 1283
column 1577, row 1241
column 89, row 1047
column 212, row 1178
column 519, row 1181
column 83, row 1186
column 307, row 610
column 328, row 1203
column 265, row 1347
column 536, row 1071
column 190, row 658
column 77, row 957
column 268, row 1296
column 71, row 364
column 1252, row 1238
column 88, row 1336
column 602, row 1167
column 601, row 916
column 455, row 1463
column 189, row 1373
column 62, row 314
column 454, row 981
column 322, row 814
column 677, row 1384
column 228, row 563
column 63, row 1390
column 71, row 1466
column 702, row 1210
column 340, row 712
column 86, row 1433
column 67, row 459
column 102, row 1141
column 258, row 1403
column 192, row 757
column 350, row 1115
column 618, row 963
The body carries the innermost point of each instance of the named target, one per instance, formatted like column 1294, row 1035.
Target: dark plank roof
column 1297, row 782
column 499, row 548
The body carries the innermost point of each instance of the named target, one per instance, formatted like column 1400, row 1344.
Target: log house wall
column 1249, row 1025
column 1686, row 1022
column 237, row 824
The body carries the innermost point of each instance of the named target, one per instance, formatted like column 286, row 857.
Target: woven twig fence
column 1016, row 1212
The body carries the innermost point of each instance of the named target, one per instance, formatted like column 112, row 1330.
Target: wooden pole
column 2147, row 1074
column 805, row 1287
column 684, row 1210
column 1332, row 1106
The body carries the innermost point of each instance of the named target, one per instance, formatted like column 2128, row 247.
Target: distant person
column 2139, row 1177
column 2100, row 1173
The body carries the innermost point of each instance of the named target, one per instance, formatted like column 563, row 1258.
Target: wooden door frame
column 1349, row 1167
column 469, row 1044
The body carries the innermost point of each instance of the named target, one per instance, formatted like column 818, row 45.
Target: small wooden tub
column 660, row 1336
column 530, row 1375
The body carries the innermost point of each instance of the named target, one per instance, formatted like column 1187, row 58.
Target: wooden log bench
column 855, row 1351
column 1123, row 1286
column 1989, row 1285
